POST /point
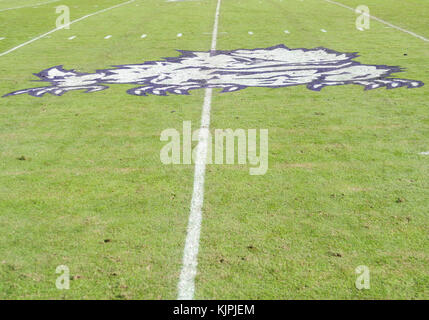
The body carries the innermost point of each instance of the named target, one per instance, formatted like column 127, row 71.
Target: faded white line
column 72, row 37
column 62, row 27
column 381, row 21
column 186, row 286
column 224, row 32
column 107, row 37
column 30, row 5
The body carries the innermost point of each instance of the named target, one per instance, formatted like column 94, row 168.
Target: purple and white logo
column 272, row 67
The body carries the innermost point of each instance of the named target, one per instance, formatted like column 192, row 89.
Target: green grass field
column 82, row 184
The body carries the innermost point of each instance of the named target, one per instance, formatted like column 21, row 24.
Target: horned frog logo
column 272, row 67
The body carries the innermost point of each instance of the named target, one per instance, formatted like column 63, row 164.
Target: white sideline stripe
column 382, row 21
column 186, row 286
column 107, row 37
column 30, row 5
column 62, row 27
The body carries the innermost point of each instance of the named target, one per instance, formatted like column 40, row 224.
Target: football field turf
column 82, row 183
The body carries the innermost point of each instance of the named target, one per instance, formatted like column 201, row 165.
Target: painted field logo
column 272, row 67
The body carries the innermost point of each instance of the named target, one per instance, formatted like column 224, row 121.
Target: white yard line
column 186, row 286
column 62, row 27
column 381, row 21
column 180, row 0
column 29, row 5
